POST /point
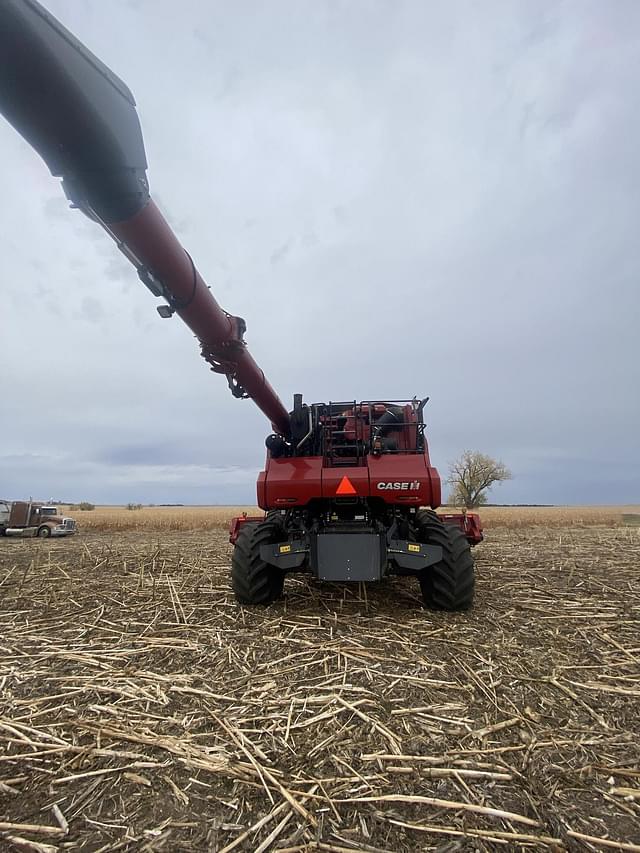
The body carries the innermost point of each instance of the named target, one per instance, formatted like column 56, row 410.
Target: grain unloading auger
column 345, row 484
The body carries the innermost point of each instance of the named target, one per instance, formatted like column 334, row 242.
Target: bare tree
column 472, row 475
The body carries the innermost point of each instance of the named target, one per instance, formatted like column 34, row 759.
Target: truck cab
column 44, row 511
column 29, row 518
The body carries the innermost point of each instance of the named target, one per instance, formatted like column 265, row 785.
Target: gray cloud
column 400, row 199
column 91, row 309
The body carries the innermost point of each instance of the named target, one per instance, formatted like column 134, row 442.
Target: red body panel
column 332, row 479
column 290, row 482
column 406, row 479
column 236, row 524
column 412, row 479
column 468, row 522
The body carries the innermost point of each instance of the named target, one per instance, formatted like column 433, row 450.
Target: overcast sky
column 401, row 198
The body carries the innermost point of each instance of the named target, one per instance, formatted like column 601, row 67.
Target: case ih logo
column 411, row 486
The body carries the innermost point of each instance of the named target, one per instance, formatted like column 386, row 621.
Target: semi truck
column 31, row 518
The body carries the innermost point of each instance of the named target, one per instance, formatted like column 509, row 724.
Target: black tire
column 274, row 516
column 449, row 584
column 253, row 580
column 3, row 531
column 44, row 532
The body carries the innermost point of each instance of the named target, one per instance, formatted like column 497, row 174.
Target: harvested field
column 119, row 519
column 141, row 709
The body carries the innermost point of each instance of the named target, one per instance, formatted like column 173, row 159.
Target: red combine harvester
column 345, row 484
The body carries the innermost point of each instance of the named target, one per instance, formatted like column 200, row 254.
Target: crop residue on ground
column 142, row 709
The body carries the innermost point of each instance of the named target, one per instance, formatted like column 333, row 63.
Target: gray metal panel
column 413, row 555
column 285, row 555
column 348, row 557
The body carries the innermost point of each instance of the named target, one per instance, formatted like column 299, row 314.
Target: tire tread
column 253, row 580
column 449, row 584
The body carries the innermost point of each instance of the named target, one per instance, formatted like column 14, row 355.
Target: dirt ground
column 141, row 709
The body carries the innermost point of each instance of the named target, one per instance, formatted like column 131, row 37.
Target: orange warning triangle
column 345, row 487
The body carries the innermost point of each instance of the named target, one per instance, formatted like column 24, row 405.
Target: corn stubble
column 193, row 518
column 142, row 709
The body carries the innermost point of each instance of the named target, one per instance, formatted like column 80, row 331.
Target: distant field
column 109, row 518
column 561, row 516
column 119, row 518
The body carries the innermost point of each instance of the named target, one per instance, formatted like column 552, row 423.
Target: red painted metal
column 237, row 523
column 414, row 469
column 289, row 482
column 405, row 478
column 345, row 487
column 149, row 237
column 332, row 479
column 468, row 522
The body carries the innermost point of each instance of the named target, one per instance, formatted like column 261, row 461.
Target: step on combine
column 348, row 490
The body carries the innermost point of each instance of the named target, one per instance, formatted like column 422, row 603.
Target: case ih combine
column 345, row 484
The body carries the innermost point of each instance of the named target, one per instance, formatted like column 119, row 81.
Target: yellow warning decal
column 284, row 549
column 414, row 548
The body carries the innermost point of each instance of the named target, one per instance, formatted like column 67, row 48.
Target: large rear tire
column 253, row 580
column 449, row 584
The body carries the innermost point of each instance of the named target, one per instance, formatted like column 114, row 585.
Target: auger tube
column 82, row 120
